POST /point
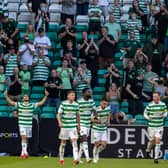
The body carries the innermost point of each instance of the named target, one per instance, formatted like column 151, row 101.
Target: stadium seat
column 101, row 82
column 47, row 115
column 129, row 116
column 99, row 90
column 48, row 109
column 55, row 18
column 36, row 97
column 140, row 120
column 4, row 114
column 124, row 106
column 38, row 89
column 3, row 102
column 56, row 64
column 55, row 8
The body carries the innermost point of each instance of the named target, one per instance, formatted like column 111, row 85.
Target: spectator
column 84, row 67
column 68, row 33
column 54, row 87
column 154, row 50
column 134, row 95
column 112, row 76
column 136, row 9
column 25, row 78
column 34, row 7
column 166, row 41
column 114, row 29
column 42, row 18
column 115, row 9
column 162, row 89
column 42, row 42
column 134, row 24
column 26, row 52
column 41, row 65
column 94, row 14
column 162, row 23
column 141, row 61
column 66, row 75
column 113, row 96
column 1, row 53
column 30, row 32
column 130, row 46
column 71, row 60
column 68, row 10
column 150, row 79
column 82, row 7
column 10, row 27
column 104, row 7
column 92, row 55
column 71, row 49
column 82, row 46
column 2, row 79
column 144, row 5
column 11, row 61
column 6, row 42
column 165, row 63
column 129, row 74
column 81, row 81
column 4, row 8
column 15, row 86
column 106, row 48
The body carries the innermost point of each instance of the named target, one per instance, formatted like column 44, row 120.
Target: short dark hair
column 155, row 92
column 40, row 30
column 70, row 91
column 104, row 99
column 84, row 90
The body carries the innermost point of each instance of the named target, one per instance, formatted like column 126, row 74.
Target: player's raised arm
column 44, row 99
column 12, row 103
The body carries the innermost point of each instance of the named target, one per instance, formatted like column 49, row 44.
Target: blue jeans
column 53, row 101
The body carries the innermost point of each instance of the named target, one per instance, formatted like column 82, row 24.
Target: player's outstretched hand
column 46, row 93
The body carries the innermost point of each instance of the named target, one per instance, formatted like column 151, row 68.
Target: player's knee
column 97, row 144
column 103, row 145
column 74, row 144
column 63, row 142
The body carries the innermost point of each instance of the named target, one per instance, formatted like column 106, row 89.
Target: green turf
column 39, row 162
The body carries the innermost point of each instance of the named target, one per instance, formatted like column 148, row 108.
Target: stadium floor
column 40, row 162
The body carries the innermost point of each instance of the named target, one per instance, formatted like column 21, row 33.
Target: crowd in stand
column 28, row 64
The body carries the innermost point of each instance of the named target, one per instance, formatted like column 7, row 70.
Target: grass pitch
column 52, row 162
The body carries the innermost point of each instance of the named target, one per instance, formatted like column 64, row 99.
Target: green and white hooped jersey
column 69, row 113
column 155, row 111
column 103, row 116
column 86, row 108
column 25, row 113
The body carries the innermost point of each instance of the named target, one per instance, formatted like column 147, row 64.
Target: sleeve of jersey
column 165, row 111
column 146, row 112
column 60, row 110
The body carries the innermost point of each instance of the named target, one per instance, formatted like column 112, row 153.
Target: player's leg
column 102, row 146
column 84, row 133
column 62, row 151
column 158, row 137
column 25, row 133
column 151, row 142
column 63, row 136
column 157, row 149
column 95, row 152
column 74, row 137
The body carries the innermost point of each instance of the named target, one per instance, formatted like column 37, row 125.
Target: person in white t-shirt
column 26, row 52
column 42, row 42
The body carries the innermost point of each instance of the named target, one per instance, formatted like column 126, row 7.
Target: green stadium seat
column 38, row 89
column 4, row 109
column 3, row 102
column 101, row 82
column 37, row 111
column 81, row 28
column 119, row 64
column 47, row 115
column 22, row 27
column 124, row 106
column 97, row 97
column 117, row 56
column 129, row 116
column 56, row 64
column 36, row 97
column 4, row 114
column 53, row 28
column 48, row 109
column 140, row 120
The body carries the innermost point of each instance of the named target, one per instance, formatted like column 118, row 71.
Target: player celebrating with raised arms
column 69, row 123
column 100, row 124
column 25, row 114
column 155, row 112
column 86, row 109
